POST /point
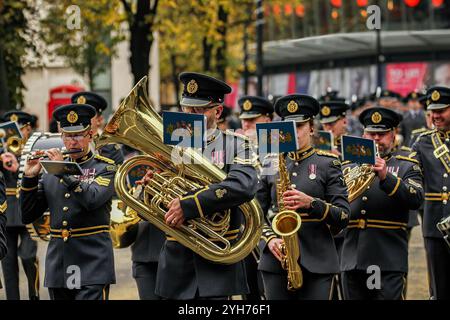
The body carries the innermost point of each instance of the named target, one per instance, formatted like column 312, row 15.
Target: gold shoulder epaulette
column 104, row 159
column 420, row 130
column 325, row 153
column 428, row 132
column 407, row 159
column 346, row 162
column 405, row 148
column 232, row 133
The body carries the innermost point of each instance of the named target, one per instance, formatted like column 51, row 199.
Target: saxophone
column 286, row 224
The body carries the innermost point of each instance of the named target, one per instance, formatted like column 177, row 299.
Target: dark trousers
column 315, row 286
column 254, row 279
column 337, row 288
column 91, row 292
column 438, row 257
column 26, row 250
column 392, row 286
column 145, row 276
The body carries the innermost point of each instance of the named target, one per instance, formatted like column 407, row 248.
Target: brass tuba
column 138, row 125
column 286, row 224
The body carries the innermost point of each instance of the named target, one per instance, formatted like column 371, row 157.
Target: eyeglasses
column 77, row 137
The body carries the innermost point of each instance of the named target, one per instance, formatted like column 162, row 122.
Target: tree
column 18, row 38
column 86, row 46
column 140, row 15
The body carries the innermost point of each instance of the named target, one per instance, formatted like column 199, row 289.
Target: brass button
column 293, row 186
column 444, row 201
column 447, row 140
column 66, row 209
column 65, row 223
column 294, row 174
column 65, row 234
column 363, row 211
column 445, row 175
column 364, row 198
column 296, row 164
column 444, row 188
column 61, row 180
column 67, row 195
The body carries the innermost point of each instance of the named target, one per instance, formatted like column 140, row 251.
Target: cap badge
column 376, row 117
column 81, row 100
column 72, row 117
column 326, row 111
column 14, row 117
column 414, row 95
column 435, row 95
column 192, row 86
column 247, row 105
column 292, row 106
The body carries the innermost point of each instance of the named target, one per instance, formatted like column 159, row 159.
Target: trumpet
column 63, row 151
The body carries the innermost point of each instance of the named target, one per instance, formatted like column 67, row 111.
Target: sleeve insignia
column 336, row 163
column 412, row 190
column 78, row 189
column 344, row 216
column 220, row 193
column 111, row 168
column 414, row 183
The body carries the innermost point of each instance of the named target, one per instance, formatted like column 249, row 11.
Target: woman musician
column 318, row 193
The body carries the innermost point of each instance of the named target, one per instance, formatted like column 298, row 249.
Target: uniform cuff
column 320, row 210
column 190, row 209
column 29, row 183
column 390, row 184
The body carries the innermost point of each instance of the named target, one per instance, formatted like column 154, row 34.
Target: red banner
column 405, row 77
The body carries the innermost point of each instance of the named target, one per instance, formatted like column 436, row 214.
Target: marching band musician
column 26, row 249
column 111, row 151
column 80, row 262
column 431, row 149
column 254, row 110
column 319, row 195
column 376, row 234
column 333, row 119
column 182, row 273
column 3, row 206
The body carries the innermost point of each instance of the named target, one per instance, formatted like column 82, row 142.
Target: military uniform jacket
column 148, row 243
column 319, row 175
column 3, row 207
column 436, row 181
column 181, row 272
column 113, row 152
column 376, row 233
column 79, row 214
column 13, row 212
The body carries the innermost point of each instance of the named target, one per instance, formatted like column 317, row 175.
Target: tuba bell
column 139, row 126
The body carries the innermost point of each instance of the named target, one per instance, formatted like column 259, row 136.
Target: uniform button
column 444, row 201
column 293, row 186
column 445, row 175
column 61, row 180
column 364, row 198
column 444, row 188
column 296, row 164
column 65, row 223
column 294, row 174
column 66, row 209
column 447, row 140
column 67, row 195
column 363, row 211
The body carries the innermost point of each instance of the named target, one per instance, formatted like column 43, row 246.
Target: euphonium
column 286, row 224
column 138, row 125
column 358, row 179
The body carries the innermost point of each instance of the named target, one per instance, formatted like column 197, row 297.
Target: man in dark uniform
column 319, row 194
column 432, row 150
column 183, row 274
column 26, row 248
column 3, row 206
column 112, row 151
column 376, row 238
column 414, row 118
column 333, row 118
column 80, row 262
column 254, row 110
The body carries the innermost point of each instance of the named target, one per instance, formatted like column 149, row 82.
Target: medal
column 312, row 168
